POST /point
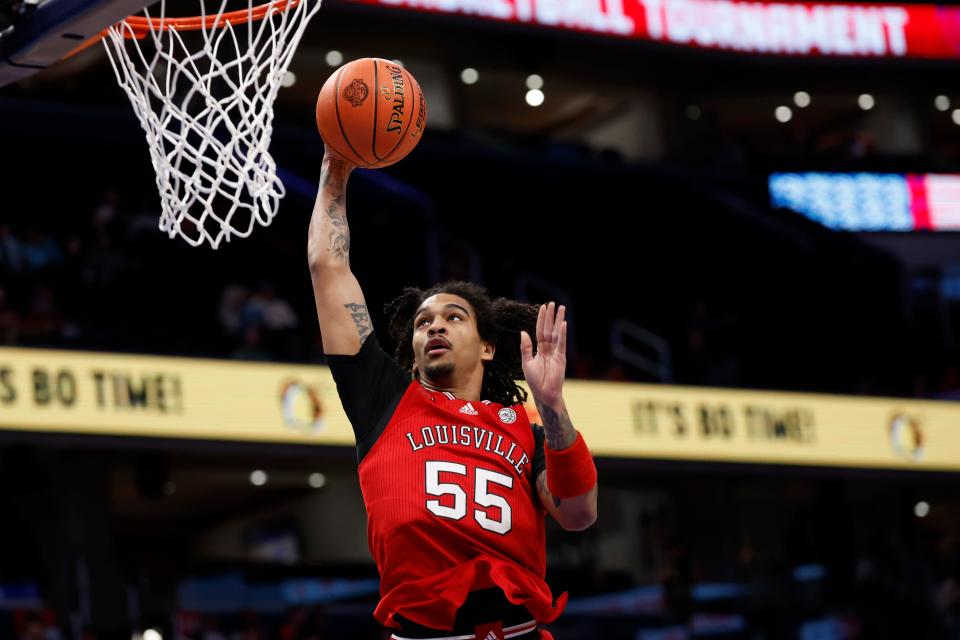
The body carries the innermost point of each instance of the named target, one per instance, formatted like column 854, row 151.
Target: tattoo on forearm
column 542, row 483
column 361, row 318
column 333, row 178
column 339, row 229
column 558, row 430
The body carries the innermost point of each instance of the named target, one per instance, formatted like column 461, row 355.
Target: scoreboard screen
column 871, row 201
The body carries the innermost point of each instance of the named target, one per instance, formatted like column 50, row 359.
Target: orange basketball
column 371, row 112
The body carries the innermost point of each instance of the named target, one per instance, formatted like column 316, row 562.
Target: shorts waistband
column 508, row 632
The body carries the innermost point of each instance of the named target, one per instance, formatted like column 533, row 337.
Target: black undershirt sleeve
column 370, row 385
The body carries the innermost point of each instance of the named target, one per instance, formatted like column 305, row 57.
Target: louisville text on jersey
column 466, row 436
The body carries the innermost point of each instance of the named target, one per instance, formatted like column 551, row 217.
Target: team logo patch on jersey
column 507, row 416
column 469, row 410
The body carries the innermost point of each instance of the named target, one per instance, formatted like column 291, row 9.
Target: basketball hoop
column 207, row 110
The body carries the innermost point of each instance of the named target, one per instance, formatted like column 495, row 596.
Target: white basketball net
column 208, row 116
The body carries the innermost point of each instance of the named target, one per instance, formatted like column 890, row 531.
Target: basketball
column 371, row 112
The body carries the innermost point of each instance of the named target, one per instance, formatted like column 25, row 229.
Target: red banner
column 782, row 28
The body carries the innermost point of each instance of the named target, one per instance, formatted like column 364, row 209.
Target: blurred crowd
column 109, row 280
column 890, row 591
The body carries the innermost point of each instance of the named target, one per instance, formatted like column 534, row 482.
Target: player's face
column 446, row 341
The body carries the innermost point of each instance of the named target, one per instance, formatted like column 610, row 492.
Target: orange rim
column 140, row 26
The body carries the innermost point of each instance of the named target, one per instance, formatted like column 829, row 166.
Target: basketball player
column 455, row 479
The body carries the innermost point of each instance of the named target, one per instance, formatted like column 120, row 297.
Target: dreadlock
column 499, row 322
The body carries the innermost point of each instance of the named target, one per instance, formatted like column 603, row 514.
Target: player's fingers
column 526, row 347
column 548, row 323
column 562, row 340
column 561, row 316
column 540, row 320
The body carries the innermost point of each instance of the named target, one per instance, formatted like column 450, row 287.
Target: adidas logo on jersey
column 469, row 410
column 491, row 636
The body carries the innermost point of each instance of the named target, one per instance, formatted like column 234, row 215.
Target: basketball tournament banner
column 785, row 28
column 153, row 397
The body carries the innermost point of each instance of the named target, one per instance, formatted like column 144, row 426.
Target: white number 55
column 483, row 478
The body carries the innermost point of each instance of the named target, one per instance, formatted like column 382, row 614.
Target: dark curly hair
column 499, row 322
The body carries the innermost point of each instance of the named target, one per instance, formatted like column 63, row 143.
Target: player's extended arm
column 568, row 488
column 341, row 309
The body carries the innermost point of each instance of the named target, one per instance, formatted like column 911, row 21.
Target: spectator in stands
column 676, row 578
column 9, row 321
column 315, row 627
column 68, row 277
column 103, row 263
column 211, row 629
column 233, row 302
column 106, row 211
column 41, row 626
column 251, row 628
column 43, row 323
column 277, row 320
column 11, row 252
column 275, row 313
column 50, row 629
column 252, row 347
column 292, row 627
column 711, row 359
column 950, row 382
column 948, row 605
column 41, row 251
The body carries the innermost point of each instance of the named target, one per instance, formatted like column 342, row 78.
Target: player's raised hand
column 545, row 370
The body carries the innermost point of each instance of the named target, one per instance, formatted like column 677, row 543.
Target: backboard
column 37, row 33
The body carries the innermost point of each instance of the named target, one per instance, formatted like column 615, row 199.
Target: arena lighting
column 535, row 97
column 469, row 76
column 942, row 103
column 956, row 116
column 534, row 81
column 152, row 634
column 783, row 113
column 921, row 509
column 334, row 58
column 801, row 99
column 317, row 480
column 258, row 478
column 289, row 79
column 866, row 101
column 693, row 112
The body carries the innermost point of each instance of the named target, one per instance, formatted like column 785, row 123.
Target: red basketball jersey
column 451, row 508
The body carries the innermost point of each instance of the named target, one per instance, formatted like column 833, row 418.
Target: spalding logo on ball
column 371, row 133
